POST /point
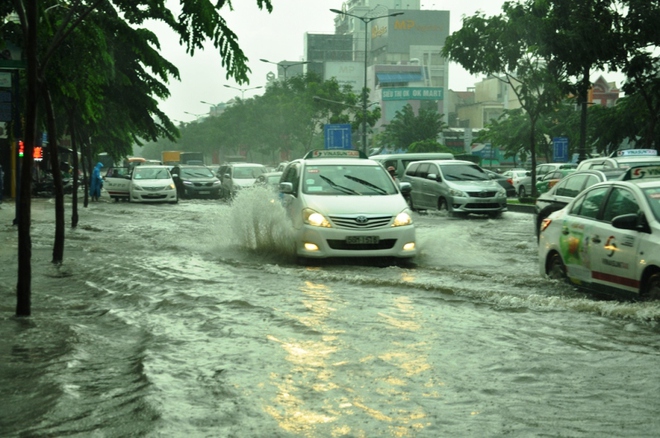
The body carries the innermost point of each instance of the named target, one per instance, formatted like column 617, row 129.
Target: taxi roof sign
column 642, row 172
column 335, row 153
column 637, row 153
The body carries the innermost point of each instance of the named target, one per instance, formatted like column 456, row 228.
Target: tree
column 507, row 46
column 198, row 22
column 407, row 128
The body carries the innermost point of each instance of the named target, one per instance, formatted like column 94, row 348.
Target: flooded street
column 194, row 320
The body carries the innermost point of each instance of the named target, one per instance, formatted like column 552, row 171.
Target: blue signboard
column 338, row 136
column 560, row 149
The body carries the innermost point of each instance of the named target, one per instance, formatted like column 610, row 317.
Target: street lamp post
column 285, row 67
column 365, row 20
column 243, row 90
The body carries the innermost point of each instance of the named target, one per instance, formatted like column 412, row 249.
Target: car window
column 340, row 179
column 620, row 201
column 150, row 173
column 589, row 205
column 411, row 170
column 570, row 187
column 291, row 175
column 247, row 172
column 423, row 170
column 463, row 172
column 200, row 172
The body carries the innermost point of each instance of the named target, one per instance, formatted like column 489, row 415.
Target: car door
column 576, row 232
column 613, row 251
column 116, row 182
column 427, row 186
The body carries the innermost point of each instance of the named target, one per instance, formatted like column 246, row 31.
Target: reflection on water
column 200, row 323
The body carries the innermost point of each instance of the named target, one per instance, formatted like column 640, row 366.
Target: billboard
column 413, row 28
column 346, row 72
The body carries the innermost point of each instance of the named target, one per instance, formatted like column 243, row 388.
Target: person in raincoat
column 96, row 184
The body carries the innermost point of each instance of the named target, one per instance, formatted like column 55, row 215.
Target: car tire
column 651, row 291
column 555, row 268
column 409, row 201
column 522, row 192
column 442, row 205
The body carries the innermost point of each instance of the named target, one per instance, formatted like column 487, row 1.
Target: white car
column 116, row 182
column 521, row 180
column 625, row 159
column 343, row 204
column 608, row 238
column 237, row 176
column 152, row 184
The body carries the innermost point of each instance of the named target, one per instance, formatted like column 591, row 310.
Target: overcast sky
column 276, row 37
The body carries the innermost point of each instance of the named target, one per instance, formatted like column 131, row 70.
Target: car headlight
column 136, row 187
column 458, row 193
column 172, row 186
column 501, row 193
column 187, row 183
column 315, row 219
column 216, row 183
column 402, row 219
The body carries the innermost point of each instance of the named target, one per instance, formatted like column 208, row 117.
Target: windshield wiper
column 367, row 183
column 334, row 185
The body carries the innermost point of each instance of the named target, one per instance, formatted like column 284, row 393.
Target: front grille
column 483, row 206
column 361, row 222
column 206, row 184
column 341, row 244
column 155, row 189
column 480, row 194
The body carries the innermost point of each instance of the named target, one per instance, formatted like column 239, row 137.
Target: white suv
column 343, row 204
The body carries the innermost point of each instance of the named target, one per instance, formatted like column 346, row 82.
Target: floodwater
column 193, row 320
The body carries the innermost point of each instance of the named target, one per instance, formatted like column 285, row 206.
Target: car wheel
column 555, row 267
column 442, row 205
column 409, row 201
column 651, row 290
column 522, row 192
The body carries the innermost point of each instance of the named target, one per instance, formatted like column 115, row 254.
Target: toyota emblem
column 361, row 219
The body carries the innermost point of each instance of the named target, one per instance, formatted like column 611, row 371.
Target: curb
column 522, row 208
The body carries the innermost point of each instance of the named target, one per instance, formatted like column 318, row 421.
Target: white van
column 401, row 161
column 456, row 186
column 342, row 204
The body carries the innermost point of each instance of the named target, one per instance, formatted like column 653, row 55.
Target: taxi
column 607, row 240
column 343, row 204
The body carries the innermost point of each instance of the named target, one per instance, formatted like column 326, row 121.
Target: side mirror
column 631, row 221
column 405, row 188
column 528, row 174
column 434, row 177
column 286, row 187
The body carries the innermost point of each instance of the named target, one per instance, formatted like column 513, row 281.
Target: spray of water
column 259, row 223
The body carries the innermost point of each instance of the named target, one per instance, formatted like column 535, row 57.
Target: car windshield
column 248, row 172
column 348, row 180
column 150, row 173
column 463, row 172
column 197, row 173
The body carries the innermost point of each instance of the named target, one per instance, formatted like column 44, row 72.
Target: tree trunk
column 58, row 246
column 24, row 284
column 76, row 164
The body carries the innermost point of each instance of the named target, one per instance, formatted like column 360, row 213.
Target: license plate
column 205, row 192
column 358, row 240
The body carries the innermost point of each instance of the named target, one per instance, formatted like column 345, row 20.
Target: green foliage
column 286, row 121
column 406, row 128
column 428, row 146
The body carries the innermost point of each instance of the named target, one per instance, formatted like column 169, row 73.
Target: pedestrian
column 96, row 184
column 392, row 172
